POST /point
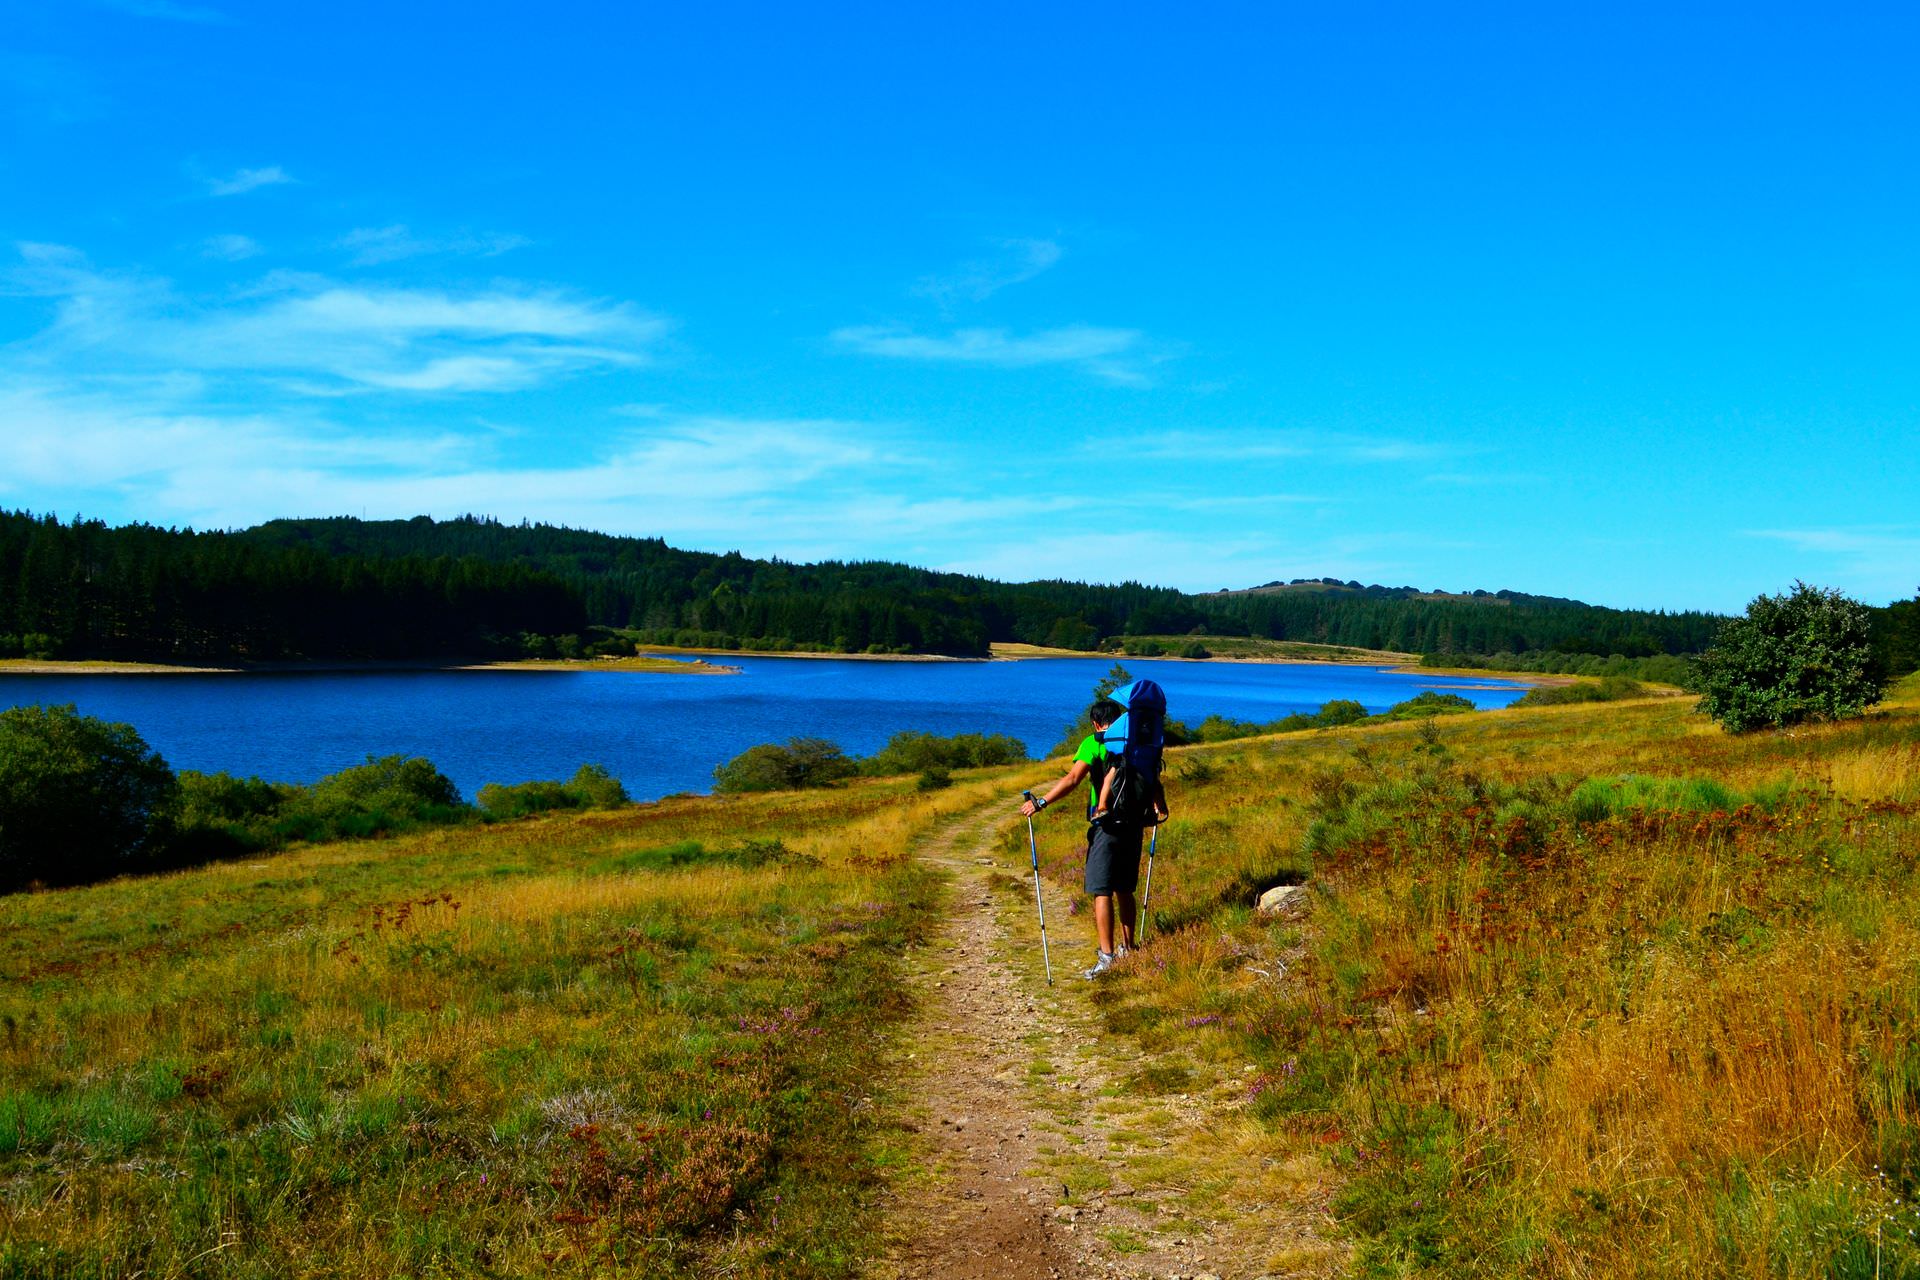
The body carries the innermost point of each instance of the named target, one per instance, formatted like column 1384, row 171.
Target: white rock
column 1277, row 898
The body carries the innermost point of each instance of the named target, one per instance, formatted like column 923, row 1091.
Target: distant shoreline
column 644, row 665
column 1001, row 651
column 1405, row 664
column 654, row 659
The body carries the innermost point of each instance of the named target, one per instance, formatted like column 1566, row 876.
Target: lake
column 664, row 733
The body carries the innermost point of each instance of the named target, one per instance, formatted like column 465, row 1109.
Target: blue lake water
column 663, row 733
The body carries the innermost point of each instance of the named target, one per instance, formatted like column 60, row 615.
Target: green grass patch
column 570, row 1045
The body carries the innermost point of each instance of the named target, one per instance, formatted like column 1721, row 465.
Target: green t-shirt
column 1093, row 754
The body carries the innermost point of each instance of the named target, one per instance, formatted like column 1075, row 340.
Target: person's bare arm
column 1105, row 801
column 1076, row 773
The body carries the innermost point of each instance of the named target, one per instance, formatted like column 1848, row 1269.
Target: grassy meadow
column 630, row 1042
column 1587, row 990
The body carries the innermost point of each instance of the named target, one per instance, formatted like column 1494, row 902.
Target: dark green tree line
column 138, row 592
column 422, row 588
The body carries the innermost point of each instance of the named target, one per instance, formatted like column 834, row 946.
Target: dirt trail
column 1035, row 1172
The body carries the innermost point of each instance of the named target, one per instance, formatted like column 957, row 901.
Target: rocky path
column 1044, row 1165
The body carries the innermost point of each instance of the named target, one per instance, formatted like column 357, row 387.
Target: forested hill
column 644, row 584
column 346, row 588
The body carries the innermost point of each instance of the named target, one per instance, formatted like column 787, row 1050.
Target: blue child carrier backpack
column 1134, row 744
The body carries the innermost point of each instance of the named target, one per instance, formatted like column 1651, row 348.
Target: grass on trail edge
column 1591, row 990
column 637, row 1042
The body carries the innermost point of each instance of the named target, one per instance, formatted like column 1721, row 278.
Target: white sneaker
column 1121, row 953
column 1100, row 966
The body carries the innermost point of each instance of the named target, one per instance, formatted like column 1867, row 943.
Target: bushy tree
column 387, row 793
column 591, row 787
column 1430, row 703
column 80, row 798
column 913, row 752
column 802, row 762
column 1897, row 636
column 1339, row 712
column 1805, row 655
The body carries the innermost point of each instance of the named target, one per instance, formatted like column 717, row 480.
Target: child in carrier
column 1135, row 796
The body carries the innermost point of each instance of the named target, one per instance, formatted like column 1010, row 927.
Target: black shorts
column 1113, row 859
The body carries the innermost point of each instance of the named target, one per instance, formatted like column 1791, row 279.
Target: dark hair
column 1105, row 711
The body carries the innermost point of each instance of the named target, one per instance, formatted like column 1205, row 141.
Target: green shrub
column 1430, row 703
column 221, row 816
column 591, row 787
column 1341, row 711
column 80, row 798
column 1338, row 712
column 802, row 762
column 1806, row 655
column 598, row 788
column 1608, row 689
column 911, row 751
column 402, row 785
column 933, row 779
column 1219, row 728
column 499, row 800
column 1896, row 637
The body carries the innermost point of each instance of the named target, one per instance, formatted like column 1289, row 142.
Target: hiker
column 1113, row 838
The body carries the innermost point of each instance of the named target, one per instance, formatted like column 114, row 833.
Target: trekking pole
column 1033, row 850
column 1140, row 934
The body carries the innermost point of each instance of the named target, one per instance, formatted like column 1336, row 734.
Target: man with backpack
column 1122, row 801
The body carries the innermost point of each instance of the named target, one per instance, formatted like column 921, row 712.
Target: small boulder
column 1279, row 898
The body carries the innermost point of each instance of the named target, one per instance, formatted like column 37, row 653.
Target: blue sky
column 1617, row 302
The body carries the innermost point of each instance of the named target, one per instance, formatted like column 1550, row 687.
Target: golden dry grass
column 1661, row 1043
column 575, row 1045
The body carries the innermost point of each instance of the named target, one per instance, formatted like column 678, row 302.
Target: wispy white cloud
column 245, row 180
column 326, row 336
column 230, row 248
column 372, row 246
column 1019, row 261
column 156, row 448
column 1882, row 561
column 1284, row 444
column 150, row 435
column 796, row 487
column 1115, row 355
